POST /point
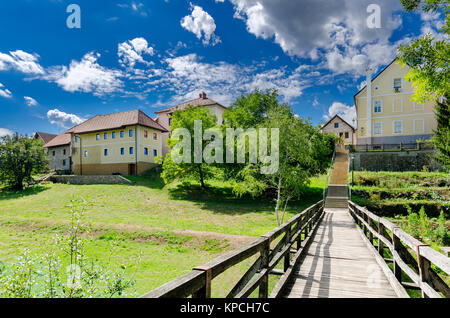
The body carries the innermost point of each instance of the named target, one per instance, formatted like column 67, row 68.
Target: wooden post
column 424, row 267
column 264, row 285
column 370, row 232
column 205, row 291
column 299, row 238
column 396, row 243
column 380, row 242
column 287, row 257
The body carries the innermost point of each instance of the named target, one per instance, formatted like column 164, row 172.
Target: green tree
column 428, row 57
column 442, row 134
column 303, row 151
column 185, row 171
column 20, row 158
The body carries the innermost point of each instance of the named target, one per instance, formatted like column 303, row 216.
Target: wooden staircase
column 337, row 196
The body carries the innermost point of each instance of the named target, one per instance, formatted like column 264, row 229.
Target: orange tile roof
column 106, row 122
column 60, row 140
column 116, row 120
column 45, row 137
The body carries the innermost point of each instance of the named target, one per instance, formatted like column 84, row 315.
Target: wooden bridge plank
column 339, row 264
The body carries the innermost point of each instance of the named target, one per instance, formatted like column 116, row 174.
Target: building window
column 105, row 152
column 146, row 151
column 53, row 153
column 346, row 135
column 131, row 150
column 397, row 84
column 155, row 152
column 214, row 110
column 122, row 134
column 85, row 153
column 398, row 126
column 377, row 128
column 64, row 163
column 419, row 107
column 155, row 136
column 419, row 125
column 113, row 135
column 64, row 152
column 122, row 151
column 336, row 125
column 76, row 138
column 97, row 137
column 130, row 133
column 145, row 134
column 397, row 104
column 105, row 136
column 377, row 106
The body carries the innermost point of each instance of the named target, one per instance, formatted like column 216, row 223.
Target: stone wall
column 90, row 179
column 395, row 161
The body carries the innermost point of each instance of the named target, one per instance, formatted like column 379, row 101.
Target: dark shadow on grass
column 222, row 200
column 8, row 194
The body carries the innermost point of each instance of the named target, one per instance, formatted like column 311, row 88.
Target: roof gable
column 203, row 100
column 344, row 121
column 115, row 121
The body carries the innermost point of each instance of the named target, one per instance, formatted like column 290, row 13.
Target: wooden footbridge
column 333, row 249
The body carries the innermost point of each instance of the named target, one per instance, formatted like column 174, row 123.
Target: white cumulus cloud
column 5, row 132
column 202, row 25
column 21, row 61
column 131, row 52
column 4, row 92
column 30, row 101
column 63, row 119
column 86, row 76
column 348, row 113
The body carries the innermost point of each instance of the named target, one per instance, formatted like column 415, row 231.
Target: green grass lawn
column 174, row 228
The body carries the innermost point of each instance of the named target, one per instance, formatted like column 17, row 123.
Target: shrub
column 41, row 276
column 441, row 234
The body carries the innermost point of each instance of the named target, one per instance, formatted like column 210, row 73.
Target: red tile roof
column 45, row 137
column 106, row 122
column 116, row 120
column 201, row 101
column 60, row 140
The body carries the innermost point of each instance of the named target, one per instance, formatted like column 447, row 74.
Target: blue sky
column 131, row 54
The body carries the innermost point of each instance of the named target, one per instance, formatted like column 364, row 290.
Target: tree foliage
column 187, row 171
column 428, row 57
column 20, row 158
column 442, row 134
column 303, row 150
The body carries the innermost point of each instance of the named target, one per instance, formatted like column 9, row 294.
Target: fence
column 421, row 269
column 297, row 231
column 392, row 147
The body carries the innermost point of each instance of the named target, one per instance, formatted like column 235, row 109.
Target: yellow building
column 121, row 143
column 387, row 115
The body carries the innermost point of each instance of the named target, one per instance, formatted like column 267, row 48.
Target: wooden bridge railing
column 420, row 268
column 297, row 231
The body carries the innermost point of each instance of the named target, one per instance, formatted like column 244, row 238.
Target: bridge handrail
column 417, row 266
column 330, row 169
column 197, row 283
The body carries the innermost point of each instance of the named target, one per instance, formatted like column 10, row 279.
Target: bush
column 42, row 275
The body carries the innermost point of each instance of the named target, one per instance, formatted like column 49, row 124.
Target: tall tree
column 20, row 158
column 303, row 151
column 428, row 57
column 442, row 134
column 188, row 169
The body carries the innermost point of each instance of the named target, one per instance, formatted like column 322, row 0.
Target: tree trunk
column 278, row 202
column 202, row 181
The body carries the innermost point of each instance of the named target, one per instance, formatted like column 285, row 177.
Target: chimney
column 369, row 103
column 200, row 95
column 204, row 95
